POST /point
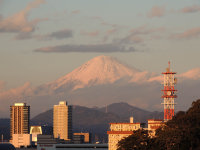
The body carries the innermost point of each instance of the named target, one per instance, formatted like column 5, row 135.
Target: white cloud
column 19, row 22
column 156, row 11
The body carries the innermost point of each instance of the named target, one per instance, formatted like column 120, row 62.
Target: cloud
column 19, row 22
column 91, row 34
column 191, row 33
column 156, row 11
column 132, row 39
column 61, row 34
column 99, row 48
column 193, row 74
column 16, row 92
column 190, row 9
column 136, row 33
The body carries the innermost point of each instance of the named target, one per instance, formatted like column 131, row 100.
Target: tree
column 180, row 133
column 183, row 131
column 139, row 140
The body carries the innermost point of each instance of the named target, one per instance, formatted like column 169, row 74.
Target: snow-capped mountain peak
column 99, row 70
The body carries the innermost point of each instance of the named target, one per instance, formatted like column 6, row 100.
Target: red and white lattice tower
column 169, row 93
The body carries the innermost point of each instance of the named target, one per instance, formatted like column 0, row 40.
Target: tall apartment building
column 19, row 119
column 62, row 121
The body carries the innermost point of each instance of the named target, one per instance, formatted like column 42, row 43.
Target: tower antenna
column 169, row 93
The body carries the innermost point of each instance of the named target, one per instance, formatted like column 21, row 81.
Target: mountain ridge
column 99, row 70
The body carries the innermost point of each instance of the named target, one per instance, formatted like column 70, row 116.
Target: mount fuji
column 100, row 70
column 99, row 82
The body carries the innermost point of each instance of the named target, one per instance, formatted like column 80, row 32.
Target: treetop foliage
column 180, row 133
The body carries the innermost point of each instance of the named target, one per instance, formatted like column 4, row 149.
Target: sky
column 42, row 40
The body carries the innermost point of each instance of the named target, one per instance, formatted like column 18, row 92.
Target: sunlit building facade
column 154, row 124
column 119, row 131
column 19, row 119
column 62, row 121
column 35, row 131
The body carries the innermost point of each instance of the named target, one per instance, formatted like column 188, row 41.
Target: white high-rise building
column 62, row 121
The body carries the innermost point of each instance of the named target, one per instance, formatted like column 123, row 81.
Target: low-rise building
column 119, row 131
column 34, row 131
column 154, row 124
column 21, row 140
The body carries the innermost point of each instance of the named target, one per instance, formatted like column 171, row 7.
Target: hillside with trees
column 180, row 133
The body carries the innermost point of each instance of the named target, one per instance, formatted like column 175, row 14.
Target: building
column 62, row 121
column 169, row 93
column 46, row 139
column 21, row 140
column 72, row 146
column 87, row 136
column 154, row 124
column 34, row 131
column 78, row 139
column 19, row 119
column 119, row 131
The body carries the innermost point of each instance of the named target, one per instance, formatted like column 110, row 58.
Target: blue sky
column 43, row 40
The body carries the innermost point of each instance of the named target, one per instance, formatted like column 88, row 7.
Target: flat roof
column 125, row 123
column 119, row 132
column 20, row 104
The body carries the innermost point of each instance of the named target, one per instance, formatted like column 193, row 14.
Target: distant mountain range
column 99, row 82
column 96, row 120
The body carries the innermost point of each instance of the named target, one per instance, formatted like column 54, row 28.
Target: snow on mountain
column 99, row 70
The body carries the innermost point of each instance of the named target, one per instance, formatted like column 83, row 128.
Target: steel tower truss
column 169, row 93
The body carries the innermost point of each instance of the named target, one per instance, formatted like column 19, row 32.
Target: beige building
column 62, row 121
column 154, row 124
column 21, row 140
column 19, row 119
column 34, row 131
column 119, row 131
